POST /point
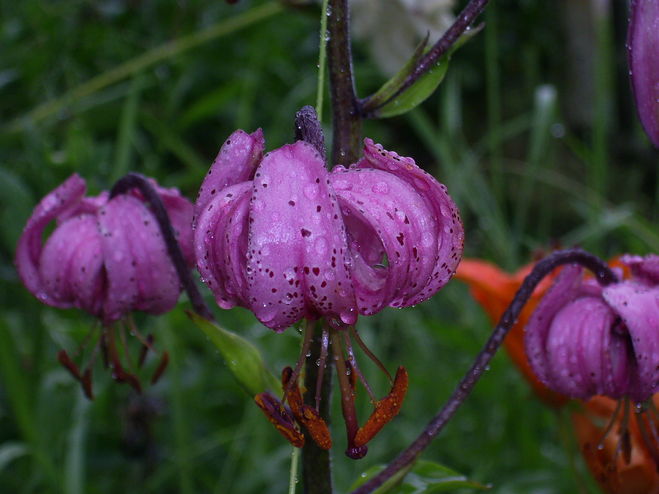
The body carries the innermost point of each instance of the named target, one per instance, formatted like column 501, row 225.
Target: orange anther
column 385, row 409
column 278, row 416
column 305, row 414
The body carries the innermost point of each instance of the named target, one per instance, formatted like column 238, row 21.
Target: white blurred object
column 393, row 28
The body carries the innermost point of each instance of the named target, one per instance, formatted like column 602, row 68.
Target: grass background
column 107, row 86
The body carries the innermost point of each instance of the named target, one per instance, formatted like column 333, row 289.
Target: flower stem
column 316, row 462
column 604, row 276
column 140, row 182
column 440, row 48
column 346, row 121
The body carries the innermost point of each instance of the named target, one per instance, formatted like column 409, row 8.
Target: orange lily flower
column 494, row 289
column 620, row 465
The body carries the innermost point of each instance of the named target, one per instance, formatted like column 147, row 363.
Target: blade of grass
column 127, row 125
column 74, row 472
column 144, row 61
column 180, row 418
column 20, row 397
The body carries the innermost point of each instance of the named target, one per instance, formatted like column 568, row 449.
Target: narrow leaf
column 423, row 477
column 242, row 358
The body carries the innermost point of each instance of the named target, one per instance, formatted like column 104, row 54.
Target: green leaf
column 243, row 359
column 423, row 477
column 384, row 103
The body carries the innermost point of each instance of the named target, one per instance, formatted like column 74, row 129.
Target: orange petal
column 385, row 409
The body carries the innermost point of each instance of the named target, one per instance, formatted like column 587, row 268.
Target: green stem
column 316, row 462
column 322, row 55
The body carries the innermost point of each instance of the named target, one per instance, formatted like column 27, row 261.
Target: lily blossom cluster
column 585, row 340
column 281, row 235
column 105, row 256
column 643, row 54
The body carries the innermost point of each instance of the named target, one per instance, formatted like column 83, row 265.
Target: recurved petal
column 638, row 306
column 71, row 265
column 297, row 244
column 392, row 237
column 644, row 269
column 445, row 212
column 220, row 241
column 642, row 43
column 585, row 357
column 236, row 162
column 56, row 203
column 564, row 289
column 140, row 274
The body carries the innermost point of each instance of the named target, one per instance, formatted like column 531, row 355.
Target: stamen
column 304, row 353
column 164, row 362
column 322, row 362
column 385, row 409
column 124, row 346
column 278, row 416
column 146, row 346
column 118, row 372
column 624, row 443
column 305, row 414
column 355, row 368
column 69, row 364
column 609, row 425
column 646, row 425
column 370, row 354
column 347, row 400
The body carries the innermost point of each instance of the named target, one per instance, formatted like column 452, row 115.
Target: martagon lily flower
column 107, row 257
column 282, row 236
column 643, row 54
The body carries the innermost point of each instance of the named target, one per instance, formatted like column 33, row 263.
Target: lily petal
column 642, row 42
column 450, row 229
column 71, row 265
column 140, row 273
column 638, row 306
column 393, row 239
column 236, row 162
column 297, row 243
column 221, row 244
column 28, row 251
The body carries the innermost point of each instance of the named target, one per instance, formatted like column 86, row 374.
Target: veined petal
column 180, row 211
column 71, row 265
column 297, row 243
column 642, row 43
column 581, row 353
column 445, row 212
column 236, row 162
column 638, row 306
column 391, row 233
column 28, row 251
column 221, row 244
column 564, row 289
column 140, row 273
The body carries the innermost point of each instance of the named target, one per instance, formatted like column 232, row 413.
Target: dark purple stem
column 404, row 460
column 346, row 118
column 140, row 182
column 443, row 45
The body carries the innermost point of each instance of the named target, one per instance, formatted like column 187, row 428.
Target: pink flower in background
column 106, row 257
column 287, row 239
column 643, row 51
column 585, row 340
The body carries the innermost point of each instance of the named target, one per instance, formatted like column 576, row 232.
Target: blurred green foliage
column 106, row 86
